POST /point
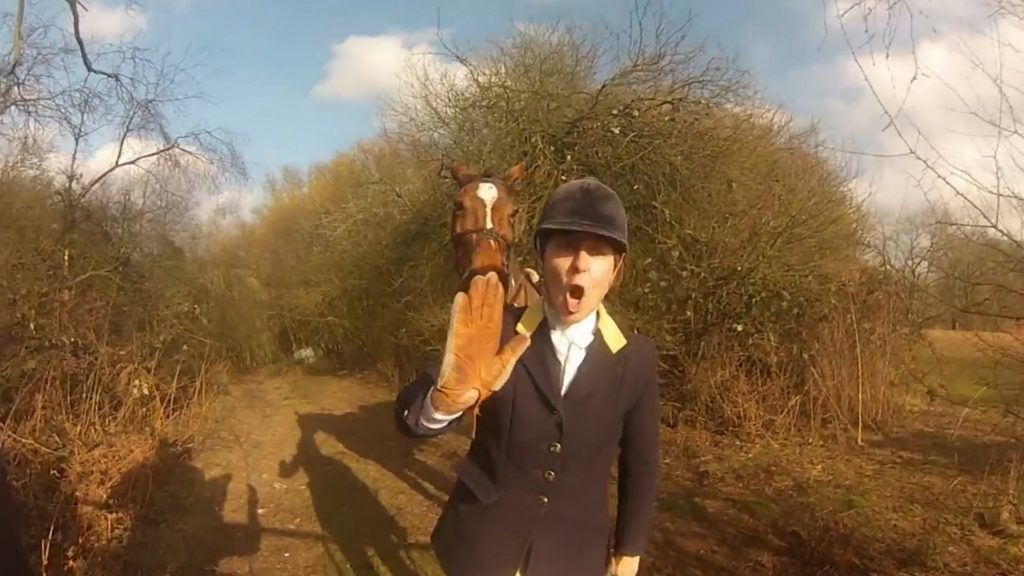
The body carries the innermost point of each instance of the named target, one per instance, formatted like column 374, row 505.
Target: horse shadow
column 369, row 432
column 347, row 509
column 180, row 527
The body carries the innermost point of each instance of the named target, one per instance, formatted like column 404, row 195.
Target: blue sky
column 266, row 56
column 262, row 59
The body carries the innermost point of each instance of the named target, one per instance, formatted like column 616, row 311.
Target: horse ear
column 462, row 174
column 514, row 174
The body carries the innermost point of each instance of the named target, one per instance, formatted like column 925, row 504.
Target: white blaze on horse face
column 489, row 194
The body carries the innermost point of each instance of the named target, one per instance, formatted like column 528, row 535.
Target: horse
column 482, row 234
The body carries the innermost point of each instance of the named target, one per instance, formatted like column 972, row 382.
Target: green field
column 972, row 368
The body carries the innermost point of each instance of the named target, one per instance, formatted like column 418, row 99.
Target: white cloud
column 366, row 67
column 944, row 100
column 105, row 156
column 173, row 177
column 102, row 23
column 230, row 204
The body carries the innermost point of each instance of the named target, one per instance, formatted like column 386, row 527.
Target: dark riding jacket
column 536, row 476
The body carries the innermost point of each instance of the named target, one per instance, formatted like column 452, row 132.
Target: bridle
column 482, row 235
column 505, row 274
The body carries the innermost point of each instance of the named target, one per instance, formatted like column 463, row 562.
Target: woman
column 557, row 392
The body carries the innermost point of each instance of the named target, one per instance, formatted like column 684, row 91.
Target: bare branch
column 86, row 61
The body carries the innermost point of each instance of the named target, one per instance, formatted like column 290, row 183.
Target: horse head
column 482, row 233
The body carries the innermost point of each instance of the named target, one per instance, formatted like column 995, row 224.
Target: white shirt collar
column 580, row 334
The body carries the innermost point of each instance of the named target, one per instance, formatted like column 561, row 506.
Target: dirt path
column 307, row 475
column 302, row 475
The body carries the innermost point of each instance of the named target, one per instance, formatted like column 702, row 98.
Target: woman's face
column 578, row 268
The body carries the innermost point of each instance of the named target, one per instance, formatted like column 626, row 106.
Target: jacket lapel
column 597, row 370
column 599, row 365
column 542, row 364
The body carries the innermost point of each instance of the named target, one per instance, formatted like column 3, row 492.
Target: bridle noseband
column 481, row 235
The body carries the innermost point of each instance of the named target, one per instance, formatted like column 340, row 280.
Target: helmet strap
column 620, row 265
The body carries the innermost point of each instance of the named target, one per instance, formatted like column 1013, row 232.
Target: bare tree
column 110, row 120
column 952, row 113
column 100, row 169
column 983, row 184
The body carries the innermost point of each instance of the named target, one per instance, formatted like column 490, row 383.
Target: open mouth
column 573, row 297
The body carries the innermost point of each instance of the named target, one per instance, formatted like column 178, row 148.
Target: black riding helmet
column 584, row 205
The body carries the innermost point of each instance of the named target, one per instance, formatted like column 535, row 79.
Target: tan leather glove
column 474, row 366
column 624, row 566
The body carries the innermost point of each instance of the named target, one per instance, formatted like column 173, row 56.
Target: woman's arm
column 415, row 416
column 639, row 461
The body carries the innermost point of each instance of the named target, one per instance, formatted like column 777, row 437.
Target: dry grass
column 937, row 494
column 972, row 368
column 76, row 468
column 913, row 502
column 837, row 377
column 974, row 344
column 102, row 356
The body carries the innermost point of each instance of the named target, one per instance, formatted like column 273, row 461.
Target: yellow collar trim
column 613, row 337
column 530, row 319
column 610, row 331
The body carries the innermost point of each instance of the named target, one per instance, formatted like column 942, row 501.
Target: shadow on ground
column 182, row 531
column 370, row 433
column 964, row 453
column 702, row 532
column 366, row 534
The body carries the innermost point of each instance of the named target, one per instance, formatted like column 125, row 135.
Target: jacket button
column 554, row 448
column 542, row 500
column 549, row 475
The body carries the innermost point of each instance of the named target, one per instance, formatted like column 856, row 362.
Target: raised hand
column 475, row 365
